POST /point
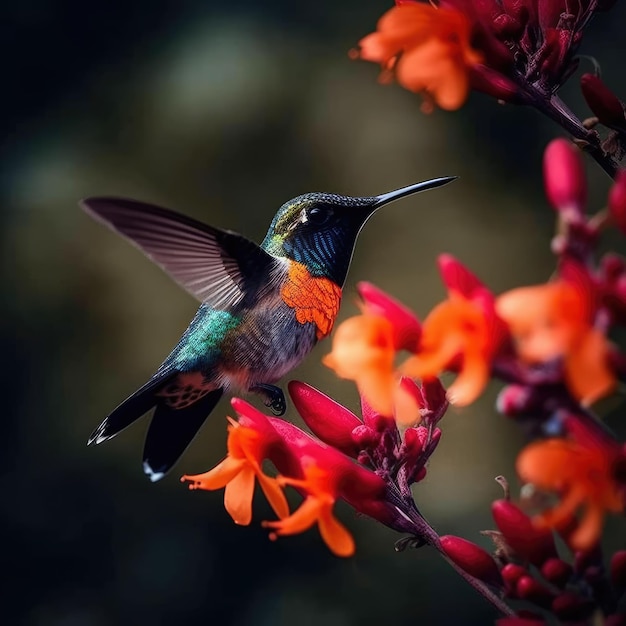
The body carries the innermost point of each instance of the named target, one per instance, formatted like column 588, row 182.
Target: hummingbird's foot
column 273, row 397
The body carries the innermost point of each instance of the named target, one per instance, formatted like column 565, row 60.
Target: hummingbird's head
column 320, row 229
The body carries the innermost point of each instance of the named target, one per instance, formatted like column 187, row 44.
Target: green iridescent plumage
column 245, row 336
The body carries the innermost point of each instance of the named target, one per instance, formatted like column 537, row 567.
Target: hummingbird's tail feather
column 134, row 407
column 171, row 431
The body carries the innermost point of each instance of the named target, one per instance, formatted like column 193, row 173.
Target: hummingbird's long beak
column 390, row 196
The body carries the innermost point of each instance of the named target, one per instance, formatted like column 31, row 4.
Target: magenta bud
column 556, row 571
column 492, row 82
column 413, row 442
column 471, row 558
column 617, row 201
column 568, row 606
column 564, row 179
column 456, row 277
column 605, row 105
column 329, row 420
column 533, row 544
column 588, row 558
column 407, row 329
column 511, row 573
column 617, row 569
column 513, row 400
column 618, row 619
column 365, row 437
column 529, row 589
column 613, row 266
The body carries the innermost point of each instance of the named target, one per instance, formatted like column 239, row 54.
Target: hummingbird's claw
column 273, row 397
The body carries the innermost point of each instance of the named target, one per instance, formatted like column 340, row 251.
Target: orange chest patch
column 314, row 299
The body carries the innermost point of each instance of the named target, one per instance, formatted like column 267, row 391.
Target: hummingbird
column 263, row 308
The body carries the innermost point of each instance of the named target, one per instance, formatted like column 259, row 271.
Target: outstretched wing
column 215, row 266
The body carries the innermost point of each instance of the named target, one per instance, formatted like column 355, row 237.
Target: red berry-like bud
column 606, row 106
column 471, row 558
column 529, row 589
column 618, row 570
column 365, row 437
column 533, row 544
column 511, row 573
column 568, row 606
column 617, row 200
column 564, row 179
column 556, row 571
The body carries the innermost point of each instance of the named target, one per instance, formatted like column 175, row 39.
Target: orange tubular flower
column 364, row 349
column 555, row 321
column 428, row 48
column 583, row 474
column 318, row 484
column 461, row 333
column 248, row 444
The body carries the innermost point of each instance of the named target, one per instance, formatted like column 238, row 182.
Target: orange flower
column 247, row 447
column 462, row 333
column 555, row 321
column 429, row 50
column 584, row 477
column 363, row 351
column 319, row 485
column 455, row 328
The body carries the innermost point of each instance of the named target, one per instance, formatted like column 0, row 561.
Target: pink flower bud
column 471, row 558
column 511, row 573
column 556, row 571
column 492, row 82
column 529, row 589
column 570, row 607
column 617, row 200
column 365, row 437
column 531, row 543
column 564, row 179
column 413, row 441
column 329, row 420
column 618, row 570
column 406, row 327
column 606, row 106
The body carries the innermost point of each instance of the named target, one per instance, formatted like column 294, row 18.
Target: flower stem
column 559, row 112
column 425, row 532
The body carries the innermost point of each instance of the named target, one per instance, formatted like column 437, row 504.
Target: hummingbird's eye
column 319, row 215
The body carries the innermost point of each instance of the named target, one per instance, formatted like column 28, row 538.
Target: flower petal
column 218, row 477
column 238, row 496
column 300, row 520
column 274, row 494
column 335, row 535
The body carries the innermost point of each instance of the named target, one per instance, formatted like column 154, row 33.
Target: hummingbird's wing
column 214, row 265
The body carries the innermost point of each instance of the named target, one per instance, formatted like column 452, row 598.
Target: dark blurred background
column 224, row 111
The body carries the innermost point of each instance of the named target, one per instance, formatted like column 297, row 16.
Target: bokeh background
column 224, row 111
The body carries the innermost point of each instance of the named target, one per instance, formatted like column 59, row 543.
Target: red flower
column 325, row 476
column 250, row 441
column 555, row 321
column 428, row 49
column 461, row 334
column 515, row 51
column 582, row 470
column 364, row 350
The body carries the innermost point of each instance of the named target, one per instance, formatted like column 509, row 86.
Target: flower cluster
column 518, row 52
column 549, row 343
column 365, row 462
